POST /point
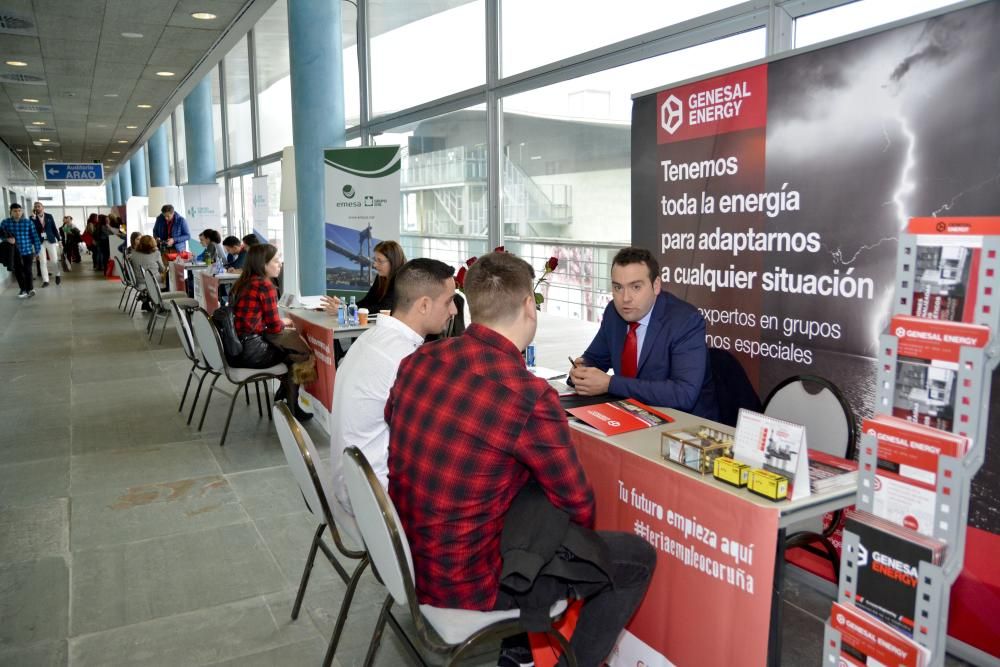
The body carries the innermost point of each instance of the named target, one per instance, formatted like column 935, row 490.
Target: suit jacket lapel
column 654, row 329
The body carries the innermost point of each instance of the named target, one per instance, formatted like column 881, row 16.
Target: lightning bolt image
column 947, row 206
column 839, row 257
column 905, row 184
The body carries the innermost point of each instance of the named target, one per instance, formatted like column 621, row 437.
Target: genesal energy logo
column 727, row 103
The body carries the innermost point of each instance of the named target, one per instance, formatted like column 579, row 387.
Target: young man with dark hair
column 21, row 232
column 236, row 254
column 425, row 291
column 654, row 342
column 171, row 229
column 469, row 428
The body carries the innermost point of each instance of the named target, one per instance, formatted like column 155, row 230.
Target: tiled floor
column 129, row 538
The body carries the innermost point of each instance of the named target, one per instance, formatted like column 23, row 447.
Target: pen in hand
column 571, row 362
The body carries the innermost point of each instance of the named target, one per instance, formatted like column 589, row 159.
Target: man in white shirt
column 425, row 291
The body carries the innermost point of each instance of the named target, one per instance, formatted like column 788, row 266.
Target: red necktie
column 630, row 352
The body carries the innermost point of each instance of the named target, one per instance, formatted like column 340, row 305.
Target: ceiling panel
column 189, row 38
column 60, row 24
column 183, row 59
column 139, row 11
column 77, row 48
column 70, row 48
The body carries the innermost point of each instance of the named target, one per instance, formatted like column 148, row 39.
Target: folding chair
column 158, row 300
column 456, row 630
column 137, row 285
column 314, row 480
column 817, row 404
column 127, row 286
column 207, row 339
column 183, row 326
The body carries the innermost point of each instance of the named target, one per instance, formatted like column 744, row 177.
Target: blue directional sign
column 73, row 171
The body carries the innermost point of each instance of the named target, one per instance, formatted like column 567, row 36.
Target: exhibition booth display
column 905, row 546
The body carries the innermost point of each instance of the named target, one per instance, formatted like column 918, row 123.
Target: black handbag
column 222, row 318
column 258, row 353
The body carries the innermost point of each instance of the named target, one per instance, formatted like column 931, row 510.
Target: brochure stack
column 904, row 547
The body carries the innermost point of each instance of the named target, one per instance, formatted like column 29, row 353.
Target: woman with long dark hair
column 268, row 338
column 387, row 259
column 102, row 242
column 89, row 239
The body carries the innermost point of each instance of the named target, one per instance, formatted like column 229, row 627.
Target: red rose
column 499, row 248
column 460, row 277
column 552, row 263
column 471, row 261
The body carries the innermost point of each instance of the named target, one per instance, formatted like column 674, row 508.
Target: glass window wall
column 443, row 211
column 565, row 177
column 529, row 41
column 274, row 89
column 421, row 51
column 238, row 128
column 857, row 16
column 217, row 118
column 171, row 168
column 182, row 174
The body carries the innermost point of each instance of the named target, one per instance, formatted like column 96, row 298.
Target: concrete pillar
column 116, row 182
column 126, row 181
column 159, row 158
column 109, row 190
column 198, row 138
column 138, row 166
column 317, row 79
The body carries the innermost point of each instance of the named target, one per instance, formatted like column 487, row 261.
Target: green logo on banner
column 349, row 191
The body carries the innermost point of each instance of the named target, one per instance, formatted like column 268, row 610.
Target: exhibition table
column 177, row 271
column 319, row 329
column 715, row 598
column 206, row 288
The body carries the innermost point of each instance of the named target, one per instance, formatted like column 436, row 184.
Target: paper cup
column 363, row 317
column 384, row 312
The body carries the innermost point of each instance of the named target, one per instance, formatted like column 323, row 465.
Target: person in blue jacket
column 171, row 230
column 21, row 232
column 654, row 341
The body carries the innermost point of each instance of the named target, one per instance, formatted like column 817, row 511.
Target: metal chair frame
column 320, row 504
column 212, row 353
column 159, row 310
column 130, row 279
column 805, row 539
column 356, row 465
column 183, row 326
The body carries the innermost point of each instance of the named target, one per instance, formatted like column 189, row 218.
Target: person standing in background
column 70, row 236
column 21, row 232
column 171, row 230
column 45, row 224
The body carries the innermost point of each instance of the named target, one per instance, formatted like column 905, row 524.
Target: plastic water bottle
column 342, row 313
column 352, row 312
column 529, row 356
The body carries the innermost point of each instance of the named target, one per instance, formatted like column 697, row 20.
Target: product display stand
column 954, row 474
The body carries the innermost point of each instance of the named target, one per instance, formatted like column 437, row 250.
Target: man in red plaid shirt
column 469, row 427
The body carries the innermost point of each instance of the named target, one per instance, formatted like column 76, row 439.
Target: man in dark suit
column 654, row 342
column 51, row 246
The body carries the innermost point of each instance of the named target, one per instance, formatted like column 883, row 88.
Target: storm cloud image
column 873, row 132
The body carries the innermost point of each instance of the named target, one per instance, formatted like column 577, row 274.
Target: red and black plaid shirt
column 468, row 426
column 256, row 308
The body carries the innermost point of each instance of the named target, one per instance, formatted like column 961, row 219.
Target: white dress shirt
column 360, row 392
